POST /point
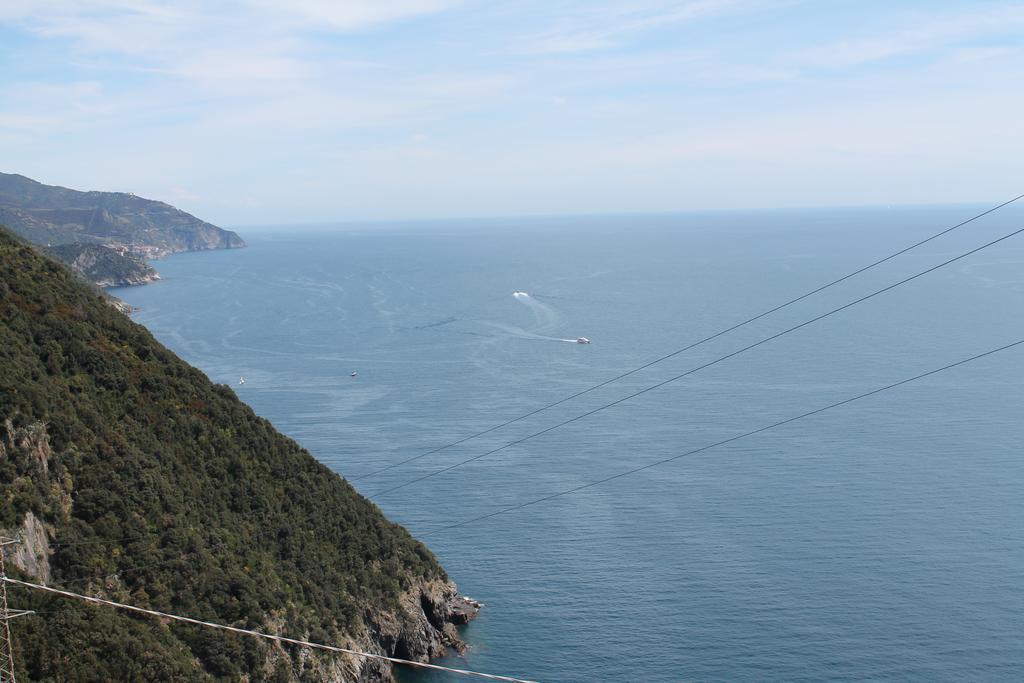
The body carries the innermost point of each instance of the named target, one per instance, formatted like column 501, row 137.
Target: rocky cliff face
column 26, row 451
column 421, row 629
column 105, row 266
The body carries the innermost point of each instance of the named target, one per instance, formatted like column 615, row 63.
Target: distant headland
column 106, row 237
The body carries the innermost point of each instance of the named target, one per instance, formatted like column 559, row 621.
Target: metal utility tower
column 6, row 614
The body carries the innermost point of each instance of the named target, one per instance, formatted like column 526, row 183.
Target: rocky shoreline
column 424, row 626
column 425, row 629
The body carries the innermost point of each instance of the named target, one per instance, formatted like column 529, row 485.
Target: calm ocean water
column 880, row 541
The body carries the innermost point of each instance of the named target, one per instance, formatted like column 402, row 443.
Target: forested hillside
column 128, row 474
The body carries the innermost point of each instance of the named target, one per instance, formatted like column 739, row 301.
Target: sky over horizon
column 256, row 111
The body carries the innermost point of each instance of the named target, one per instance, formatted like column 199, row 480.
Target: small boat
column 241, row 380
column 519, row 292
column 353, row 374
column 582, row 340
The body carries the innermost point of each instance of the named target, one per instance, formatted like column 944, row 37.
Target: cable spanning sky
column 260, row 111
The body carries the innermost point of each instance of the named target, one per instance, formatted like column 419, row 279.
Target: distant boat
column 353, row 374
column 519, row 293
column 241, row 380
column 582, row 340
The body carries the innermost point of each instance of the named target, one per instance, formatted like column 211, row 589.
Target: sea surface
column 880, row 540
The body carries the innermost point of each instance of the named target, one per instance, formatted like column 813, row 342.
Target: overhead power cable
column 139, row 567
column 103, row 541
column 694, row 345
column 699, row 367
column 723, row 442
column 258, row 634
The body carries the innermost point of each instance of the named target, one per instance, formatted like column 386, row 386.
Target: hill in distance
column 131, row 226
column 127, row 474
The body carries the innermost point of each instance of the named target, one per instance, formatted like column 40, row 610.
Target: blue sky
column 262, row 111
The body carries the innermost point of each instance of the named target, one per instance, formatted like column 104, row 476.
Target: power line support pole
column 7, row 654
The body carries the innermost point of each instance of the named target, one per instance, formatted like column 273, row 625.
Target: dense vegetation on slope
column 162, row 489
column 104, row 266
column 51, row 215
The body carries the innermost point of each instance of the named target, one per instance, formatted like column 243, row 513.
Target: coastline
column 425, row 626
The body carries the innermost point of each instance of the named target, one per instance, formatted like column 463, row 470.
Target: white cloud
column 250, row 62
column 606, row 25
column 227, row 68
column 38, row 123
column 237, row 39
column 920, row 34
column 290, row 101
column 351, row 15
column 340, row 15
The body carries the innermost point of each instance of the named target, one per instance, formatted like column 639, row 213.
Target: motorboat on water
column 519, row 292
column 582, row 340
column 241, row 380
column 353, row 374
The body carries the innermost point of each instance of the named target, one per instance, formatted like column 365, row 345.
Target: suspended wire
column 780, row 423
column 698, row 368
column 100, row 541
column 258, row 634
column 138, row 568
column 589, row 484
column 694, row 345
column 155, row 537
column 68, row 544
column 128, row 570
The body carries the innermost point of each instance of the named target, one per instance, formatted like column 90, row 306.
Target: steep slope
column 128, row 474
column 104, row 266
column 50, row 215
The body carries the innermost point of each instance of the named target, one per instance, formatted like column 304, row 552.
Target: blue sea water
column 883, row 540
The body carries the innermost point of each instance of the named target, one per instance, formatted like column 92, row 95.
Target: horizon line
column 610, row 214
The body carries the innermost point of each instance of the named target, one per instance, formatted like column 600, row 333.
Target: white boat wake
column 547, row 318
column 520, row 333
